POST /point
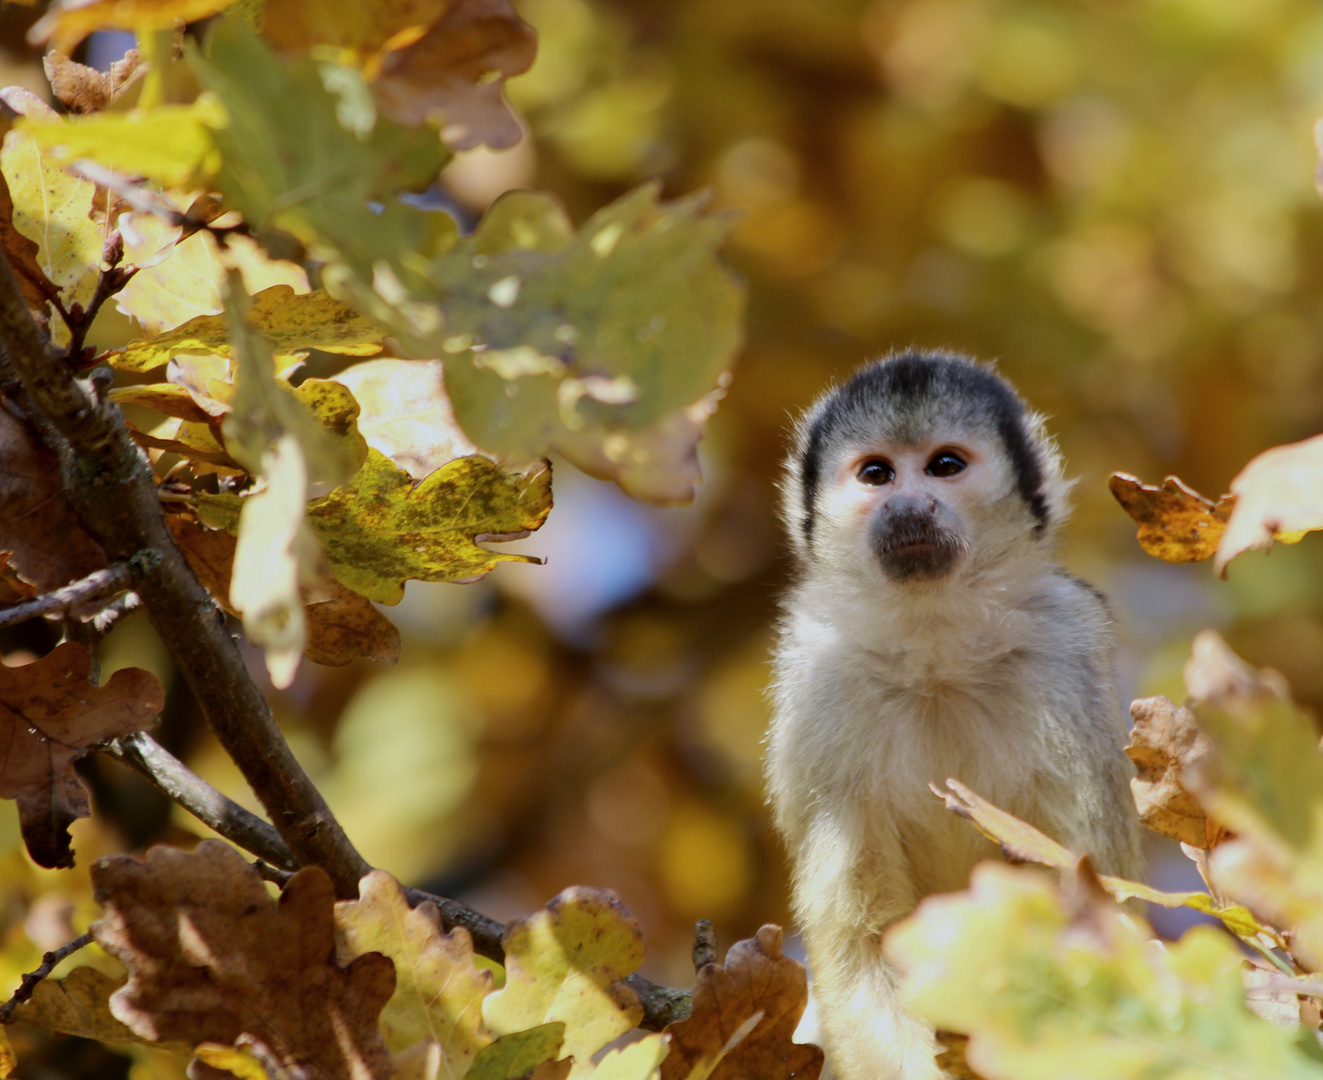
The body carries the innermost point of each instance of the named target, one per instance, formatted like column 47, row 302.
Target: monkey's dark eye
column 946, row 464
column 876, row 473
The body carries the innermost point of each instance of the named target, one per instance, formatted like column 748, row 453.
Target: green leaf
column 380, row 530
column 301, row 154
column 516, row 1055
column 292, row 322
column 610, row 346
column 171, row 144
column 1047, row 988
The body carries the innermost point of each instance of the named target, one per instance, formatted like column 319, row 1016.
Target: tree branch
column 112, row 579
column 170, row 775
column 32, row 978
column 113, row 490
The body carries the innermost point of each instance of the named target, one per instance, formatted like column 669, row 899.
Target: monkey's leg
column 846, row 891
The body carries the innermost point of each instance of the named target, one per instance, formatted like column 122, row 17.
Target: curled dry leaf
column 759, row 992
column 455, row 72
column 78, row 1004
column 83, row 89
column 1176, row 523
column 438, row 988
column 1166, row 741
column 566, row 963
column 1279, row 496
column 1021, row 842
column 49, row 545
column 342, row 625
column 49, row 715
column 211, row 957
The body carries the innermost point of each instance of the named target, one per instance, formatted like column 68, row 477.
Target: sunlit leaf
column 170, row 144
column 1176, row 523
column 1165, row 742
column 1279, row 496
column 565, row 964
column 1048, row 987
column 67, row 22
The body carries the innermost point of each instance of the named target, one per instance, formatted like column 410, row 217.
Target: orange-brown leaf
column 1176, row 523
column 49, row 715
column 1165, row 741
column 756, row 979
column 456, row 71
column 83, row 89
column 211, row 957
column 341, row 624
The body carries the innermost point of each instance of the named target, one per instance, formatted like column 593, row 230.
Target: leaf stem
column 32, row 978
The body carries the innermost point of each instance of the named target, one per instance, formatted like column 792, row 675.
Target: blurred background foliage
column 1112, row 199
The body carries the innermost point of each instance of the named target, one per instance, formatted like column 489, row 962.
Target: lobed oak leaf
column 566, row 963
column 1279, row 496
column 438, row 987
column 342, row 625
column 292, row 322
column 1165, row 742
column 67, row 22
column 454, row 73
column 381, row 530
column 1176, row 523
column 640, row 1060
column 611, row 346
column 49, row 546
column 744, row 1018
column 83, row 89
column 50, row 714
column 212, row 957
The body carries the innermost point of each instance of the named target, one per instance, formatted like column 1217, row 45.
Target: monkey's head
column 924, row 467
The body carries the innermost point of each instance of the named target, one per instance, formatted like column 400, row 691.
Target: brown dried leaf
column 83, row 89
column 1165, row 741
column 1176, row 523
column 756, row 979
column 952, row 1058
column 211, row 957
column 50, row 546
column 1279, row 496
column 49, row 715
column 456, row 71
column 342, row 625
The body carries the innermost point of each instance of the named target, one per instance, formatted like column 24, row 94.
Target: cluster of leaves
column 239, row 196
column 1050, row 980
column 303, row 986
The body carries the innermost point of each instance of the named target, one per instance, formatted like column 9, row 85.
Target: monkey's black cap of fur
column 904, row 396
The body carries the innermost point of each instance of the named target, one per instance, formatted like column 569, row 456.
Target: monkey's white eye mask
column 913, row 508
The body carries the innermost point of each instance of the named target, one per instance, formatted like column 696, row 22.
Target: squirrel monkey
column 930, row 635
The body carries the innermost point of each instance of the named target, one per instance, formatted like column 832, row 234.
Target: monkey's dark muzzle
column 914, row 547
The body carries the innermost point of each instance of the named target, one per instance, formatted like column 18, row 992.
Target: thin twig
column 170, row 775
column 109, row 615
column 48, row 964
column 113, row 490
column 112, row 579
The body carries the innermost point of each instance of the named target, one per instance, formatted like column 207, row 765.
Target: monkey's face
column 914, row 510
